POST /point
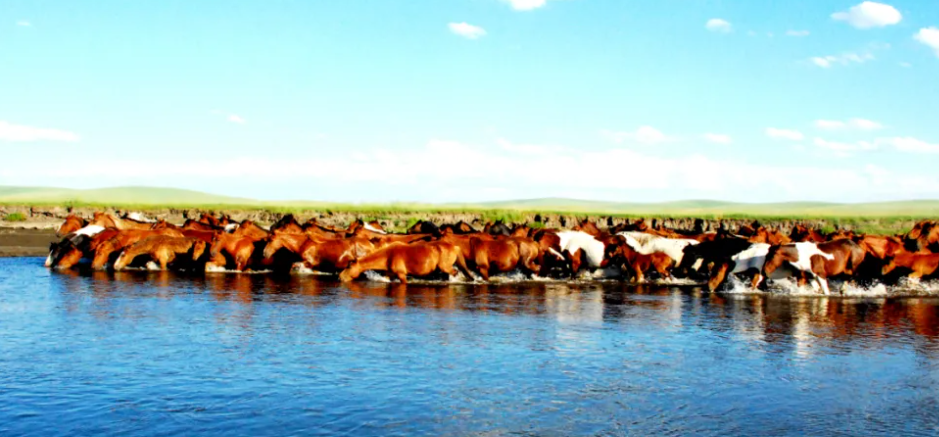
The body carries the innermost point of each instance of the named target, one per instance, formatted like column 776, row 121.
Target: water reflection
column 158, row 352
column 766, row 318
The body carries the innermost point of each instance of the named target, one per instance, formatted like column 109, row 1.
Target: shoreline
column 24, row 241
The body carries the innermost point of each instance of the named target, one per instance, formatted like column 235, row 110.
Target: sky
column 475, row 100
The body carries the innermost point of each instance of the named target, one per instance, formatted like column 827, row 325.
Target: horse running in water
column 622, row 255
column 417, row 259
column 823, row 261
column 919, row 265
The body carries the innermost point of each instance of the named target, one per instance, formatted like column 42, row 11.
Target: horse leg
column 823, row 283
column 757, row 279
column 717, row 276
column 483, row 270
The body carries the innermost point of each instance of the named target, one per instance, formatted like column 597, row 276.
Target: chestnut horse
column 238, row 249
column 924, row 235
column 251, row 230
column 417, row 259
column 623, row 255
column 317, row 254
column 104, row 249
column 920, row 265
column 802, row 233
column 163, row 249
column 504, row 255
column 72, row 223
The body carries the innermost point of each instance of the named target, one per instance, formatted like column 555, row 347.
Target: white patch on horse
column 89, row 230
column 138, row 217
column 49, row 260
column 752, row 257
column 805, row 253
column 231, row 227
column 647, row 244
column 373, row 229
column 572, row 241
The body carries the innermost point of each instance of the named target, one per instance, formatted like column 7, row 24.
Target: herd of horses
column 633, row 250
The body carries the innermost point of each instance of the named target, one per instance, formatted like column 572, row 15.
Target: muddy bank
column 50, row 217
column 22, row 241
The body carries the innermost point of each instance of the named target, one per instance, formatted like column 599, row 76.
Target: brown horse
column 624, row 256
column 72, row 223
column 194, row 225
column 163, row 250
column 418, row 259
column 111, row 221
column 460, row 227
column 772, row 237
column 251, row 230
column 802, row 233
column 103, row 249
column 504, row 255
column 163, row 224
column 920, row 265
column 924, row 235
column 237, row 248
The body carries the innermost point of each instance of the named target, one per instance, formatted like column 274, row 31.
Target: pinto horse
column 163, row 250
column 622, row 254
column 919, row 264
column 823, row 261
column 417, row 259
column 750, row 259
column 72, row 223
column 111, row 221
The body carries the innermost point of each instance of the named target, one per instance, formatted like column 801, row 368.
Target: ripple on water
column 143, row 353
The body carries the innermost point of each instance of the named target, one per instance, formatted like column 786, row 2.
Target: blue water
column 160, row 354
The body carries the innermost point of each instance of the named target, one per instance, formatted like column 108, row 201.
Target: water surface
column 141, row 353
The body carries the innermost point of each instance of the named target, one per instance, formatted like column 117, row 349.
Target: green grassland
column 878, row 216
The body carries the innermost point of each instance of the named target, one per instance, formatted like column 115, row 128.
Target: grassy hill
column 167, row 197
column 115, row 196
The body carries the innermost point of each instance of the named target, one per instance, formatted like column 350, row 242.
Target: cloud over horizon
column 20, row 133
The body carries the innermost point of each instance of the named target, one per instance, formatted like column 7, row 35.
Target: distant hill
column 118, row 196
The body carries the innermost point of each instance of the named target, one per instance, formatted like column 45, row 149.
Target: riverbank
column 398, row 220
column 25, row 241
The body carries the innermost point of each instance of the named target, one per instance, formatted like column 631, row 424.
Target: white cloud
column 906, row 65
column 718, row 25
column 18, row 133
column 718, row 138
column 843, row 149
column 24, row 23
column 487, row 168
column 643, row 135
column 236, row 119
column 909, row 144
column 784, row 134
column 930, row 37
column 797, row 33
column 829, row 124
column 525, row 5
column 842, row 59
column 868, row 15
column 467, row 30
column 854, row 123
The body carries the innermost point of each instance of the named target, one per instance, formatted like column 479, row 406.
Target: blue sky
column 469, row 100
